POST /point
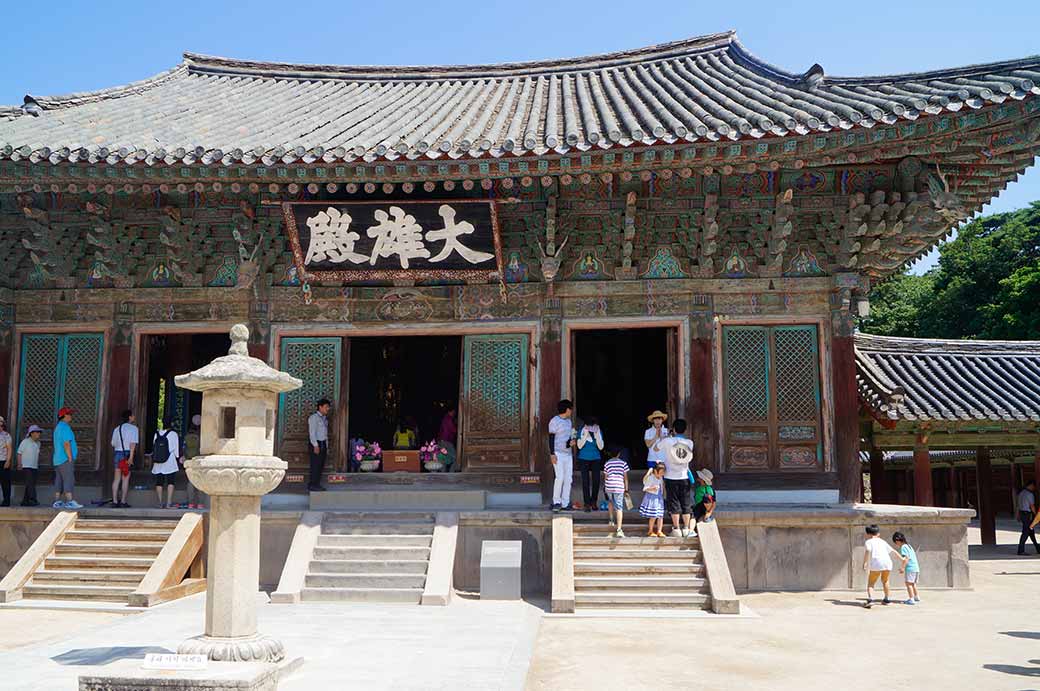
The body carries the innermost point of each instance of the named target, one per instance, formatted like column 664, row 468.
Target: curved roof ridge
column 215, row 64
column 923, row 346
column 81, row 97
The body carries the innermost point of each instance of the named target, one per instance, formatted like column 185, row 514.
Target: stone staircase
column 637, row 572
column 99, row 560
column 370, row 557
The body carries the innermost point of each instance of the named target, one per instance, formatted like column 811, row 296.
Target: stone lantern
column 236, row 467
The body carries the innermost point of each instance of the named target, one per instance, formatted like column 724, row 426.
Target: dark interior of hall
column 620, row 377
column 167, row 356
column 407, row 378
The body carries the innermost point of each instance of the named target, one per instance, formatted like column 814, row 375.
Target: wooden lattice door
column 318, row 363
column 60, row 370
column 772, row 398
column 494, row 405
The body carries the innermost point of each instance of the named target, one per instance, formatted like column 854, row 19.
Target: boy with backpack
column 166, row 449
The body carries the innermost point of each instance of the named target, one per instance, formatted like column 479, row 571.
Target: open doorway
column 164, row 357
column 414, row 379
column 620, row 376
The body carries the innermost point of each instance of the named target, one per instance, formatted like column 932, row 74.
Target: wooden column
column 878, row 490
column 923, row 495
column 117, row 399
column 987, row 517
column 846, row 418
column 1036, row 469
column 549, row 388
column 952, row 498
column 701, row 407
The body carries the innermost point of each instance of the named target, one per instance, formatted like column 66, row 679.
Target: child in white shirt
column 877, row 562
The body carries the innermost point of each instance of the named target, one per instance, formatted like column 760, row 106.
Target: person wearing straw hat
column 29, row 463
column 655, row 437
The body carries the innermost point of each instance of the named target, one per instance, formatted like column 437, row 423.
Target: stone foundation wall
column 533, row 529
column 803, row 548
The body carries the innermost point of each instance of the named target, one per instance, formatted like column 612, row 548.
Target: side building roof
column 942, row 380
column 217, row 110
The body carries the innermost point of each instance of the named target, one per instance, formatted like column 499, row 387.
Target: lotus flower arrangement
column 368, row 455
column 434, row 455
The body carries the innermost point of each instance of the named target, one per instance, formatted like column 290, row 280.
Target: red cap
column 66, row 411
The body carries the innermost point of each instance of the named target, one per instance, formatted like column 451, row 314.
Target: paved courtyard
column 983, row 639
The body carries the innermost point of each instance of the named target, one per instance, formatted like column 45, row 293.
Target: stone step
column 401, row 528
column 636, row 568
column 351, row 553
column 641, row 599
column 410, row 595
column 106, row 593
column 115, row 535
column 375, row 540
column 636, row 539
column 358, row 566
column 635, row 552
column 89, row 549
column 113, row 563
column 626, row 583
column 381, row 517
column 84, row 576
column 124, row 524
column 365, row 580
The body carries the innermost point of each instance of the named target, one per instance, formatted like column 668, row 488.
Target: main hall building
column 683, row 227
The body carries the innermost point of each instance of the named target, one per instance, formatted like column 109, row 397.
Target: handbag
column 628, row 502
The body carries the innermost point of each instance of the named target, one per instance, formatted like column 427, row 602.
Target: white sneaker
column 619, row 533
column 58, row 505
column 677, row 533
column 74, row 505
column 684, row 532
column 691, row 533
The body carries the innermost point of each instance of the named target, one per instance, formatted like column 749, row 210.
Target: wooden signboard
column 385, row 240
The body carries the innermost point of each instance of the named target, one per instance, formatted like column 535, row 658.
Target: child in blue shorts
column 615, row 484
column 910, row 568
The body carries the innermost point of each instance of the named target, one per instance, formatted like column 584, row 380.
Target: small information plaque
column 174, row 662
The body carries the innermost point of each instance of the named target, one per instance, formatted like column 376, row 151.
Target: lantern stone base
column 127, row 675
column 255, row 648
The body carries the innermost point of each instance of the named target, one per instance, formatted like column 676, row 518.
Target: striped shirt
column 615, row 470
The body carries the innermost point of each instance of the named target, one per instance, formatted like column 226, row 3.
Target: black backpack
column 161, row 448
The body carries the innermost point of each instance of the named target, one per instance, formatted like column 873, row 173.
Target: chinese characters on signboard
column 384, row 240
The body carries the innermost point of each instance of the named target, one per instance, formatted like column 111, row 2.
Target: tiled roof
column 925, row 379
column 216, row 110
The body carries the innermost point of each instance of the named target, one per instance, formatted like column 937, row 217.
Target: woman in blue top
column 590, row 461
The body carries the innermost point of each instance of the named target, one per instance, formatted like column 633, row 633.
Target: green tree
column 896, row 305
column 986, row 285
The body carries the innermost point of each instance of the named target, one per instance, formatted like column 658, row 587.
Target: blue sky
column 62, row 47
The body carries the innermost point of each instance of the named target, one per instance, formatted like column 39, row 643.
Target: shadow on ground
column 1017, row 670
column 999, row 552
column 102, row 656
column 1033, row 635
column 846, row 603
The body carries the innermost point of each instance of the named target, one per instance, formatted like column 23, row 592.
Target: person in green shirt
column 703, row 495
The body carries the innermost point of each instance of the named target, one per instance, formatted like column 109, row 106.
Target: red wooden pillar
column 117, row 399
column 878, row 490
column 1036, row 470
column 952, row 490
column 987, row 517
column 702, row 399
column 846, row 418
column 923, row 495
column 549, row 388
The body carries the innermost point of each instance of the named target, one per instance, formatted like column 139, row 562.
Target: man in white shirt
column 318, row 433
column 561, row 453
column 1026, row 510
column 678, row 452
column 125, row 438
